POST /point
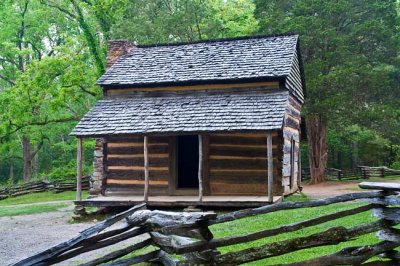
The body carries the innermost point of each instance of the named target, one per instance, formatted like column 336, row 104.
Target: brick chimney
column 116, row 49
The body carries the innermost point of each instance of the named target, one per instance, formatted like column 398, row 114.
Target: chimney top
column 116, row 49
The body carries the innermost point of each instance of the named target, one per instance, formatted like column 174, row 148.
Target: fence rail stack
column 189, row 236
column 55, row 186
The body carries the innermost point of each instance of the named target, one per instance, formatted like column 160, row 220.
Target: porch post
column 270, row 168
column 200, row 172
column 79, row 157
column 146, row 169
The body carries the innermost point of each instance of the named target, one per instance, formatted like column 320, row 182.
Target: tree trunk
column 354, row 156
column 35, row 164
column 317, row 147
column 11, row 172
column 26, row 149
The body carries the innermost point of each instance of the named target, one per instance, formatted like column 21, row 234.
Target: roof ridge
column 239, row 38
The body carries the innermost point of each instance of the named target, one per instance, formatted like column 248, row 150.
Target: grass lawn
column 29, row 209
column 41, row 197
column 276, row 219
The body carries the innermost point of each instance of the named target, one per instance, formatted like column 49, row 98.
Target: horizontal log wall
column 291, row 131
column 124, row 165
column 209, row 88
column 293, row 81
column 238, row 163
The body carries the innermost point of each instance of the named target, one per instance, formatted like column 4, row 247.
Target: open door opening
column 187, row 161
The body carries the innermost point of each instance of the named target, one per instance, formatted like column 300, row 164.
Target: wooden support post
column 79, row 158
column 299, row 177
column 146, row 169
column 270, row 168
column 200, row 170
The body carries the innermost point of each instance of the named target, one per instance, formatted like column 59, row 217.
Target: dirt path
column 25, row 235
column 334, row 188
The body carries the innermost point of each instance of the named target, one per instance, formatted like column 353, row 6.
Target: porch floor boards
column 179, row 201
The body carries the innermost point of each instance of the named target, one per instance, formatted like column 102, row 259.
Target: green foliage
column 364, row 145
column 350, row 53
column 170, row 21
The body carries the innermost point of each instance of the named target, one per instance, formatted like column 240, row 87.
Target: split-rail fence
column 361, row 172
column 184, row 238
column 56, row 186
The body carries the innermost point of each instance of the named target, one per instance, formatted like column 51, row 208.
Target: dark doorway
column 188, row 161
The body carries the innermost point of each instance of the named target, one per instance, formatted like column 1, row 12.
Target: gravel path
column 25, row 235
column 331, row 189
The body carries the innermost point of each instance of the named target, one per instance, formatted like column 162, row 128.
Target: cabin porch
column 179, row 201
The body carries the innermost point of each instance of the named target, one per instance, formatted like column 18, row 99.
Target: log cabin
column 208, row 123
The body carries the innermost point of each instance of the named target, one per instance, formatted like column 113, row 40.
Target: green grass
column 276, row 219
column 29, row 209
column 297, row 197
column 41, row 197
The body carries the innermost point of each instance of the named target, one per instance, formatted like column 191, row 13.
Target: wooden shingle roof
column 204, row 62
column 185, row 113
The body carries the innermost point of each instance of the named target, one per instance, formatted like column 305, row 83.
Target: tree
column 169, row 21
column 348, row 47
column 45, row 78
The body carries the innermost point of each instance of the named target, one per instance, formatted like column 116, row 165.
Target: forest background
column 53, row 51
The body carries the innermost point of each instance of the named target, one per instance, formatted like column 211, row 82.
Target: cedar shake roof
column 185, row 113
column 254, row 58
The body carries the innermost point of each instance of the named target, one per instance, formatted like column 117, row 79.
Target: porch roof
column 184, row 114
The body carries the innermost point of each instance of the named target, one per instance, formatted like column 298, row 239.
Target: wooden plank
column 140, row 168
column 129, row 190
column 295, row 205
column 146, row 169
column 124, row 144
column 272, row 84
column 200, row 168
column 243, row 179
column 255, row 164
column 239, row 175
column 243, row 134
column 79, row 158
column 133, row 144
column 270, row 168
column 239, row 170
column 237, row 140
column 137, row 182
column 227, row 157
column 138, row 150
column 380, row 186
column 172, row 166
column 139, row 139
column 237, row 151
column 138, row 161
column 218, row 188
column 136, row 174
column 126, row 156
column 128, row 138
column 292, row 122
column 206, row 164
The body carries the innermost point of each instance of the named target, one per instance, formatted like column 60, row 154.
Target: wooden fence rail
column 362, row 172
column 55, row 186
column 189, row 236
